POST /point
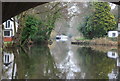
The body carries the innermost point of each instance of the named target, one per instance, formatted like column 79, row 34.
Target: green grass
column 113, row 39
column 7, row 43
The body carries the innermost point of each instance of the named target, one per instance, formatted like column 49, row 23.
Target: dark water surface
column 61, row 60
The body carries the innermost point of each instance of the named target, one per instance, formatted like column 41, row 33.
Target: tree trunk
column 17, row 37
column 14, row 25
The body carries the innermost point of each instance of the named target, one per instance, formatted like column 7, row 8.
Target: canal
column 60, row 60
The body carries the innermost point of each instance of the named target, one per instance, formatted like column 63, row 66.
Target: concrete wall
column 10, row 9
column 0, row 40
column 0, row 51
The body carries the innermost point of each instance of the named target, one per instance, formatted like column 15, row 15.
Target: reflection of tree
column 95, row 64
column 37, row 64
column 23, row 61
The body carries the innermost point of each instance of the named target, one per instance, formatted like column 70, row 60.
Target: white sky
column 112, row 5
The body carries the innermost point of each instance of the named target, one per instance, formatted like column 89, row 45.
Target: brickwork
column 7, row 39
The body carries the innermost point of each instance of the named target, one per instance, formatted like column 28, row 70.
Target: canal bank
column 98, row 41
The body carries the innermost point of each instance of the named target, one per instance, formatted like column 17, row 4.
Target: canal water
column 60, row 60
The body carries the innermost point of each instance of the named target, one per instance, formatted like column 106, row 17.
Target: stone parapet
column 0, row 51
column 1, row 42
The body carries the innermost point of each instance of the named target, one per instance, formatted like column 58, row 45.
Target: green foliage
column 39, row 29
column 31, row 26
column 81, row 38
column 45, row 27
column 99, row 22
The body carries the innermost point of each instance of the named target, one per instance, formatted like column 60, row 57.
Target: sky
column 112, row 5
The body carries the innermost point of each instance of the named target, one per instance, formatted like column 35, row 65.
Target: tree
column 31, row 26
column 99, row 22
column 47, row 15
column 47, row 21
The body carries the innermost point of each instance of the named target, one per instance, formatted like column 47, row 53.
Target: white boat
column 61, row 38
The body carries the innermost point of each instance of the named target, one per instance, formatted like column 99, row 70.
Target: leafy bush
column 99, row 22
column 30, row 29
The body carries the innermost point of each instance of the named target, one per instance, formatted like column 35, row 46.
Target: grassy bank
column 101, row 48
column 7, row 44
column 96, row 41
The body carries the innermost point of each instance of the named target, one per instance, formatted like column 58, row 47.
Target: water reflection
column 115, row 71
column 35, row 64
column 61, row 60
column 9, row 66
column 69, row 67
column 82, row 62
column 95, row 64
column 112, row 54
column 38, row 64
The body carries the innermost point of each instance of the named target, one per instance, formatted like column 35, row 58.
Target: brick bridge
column 10, row 9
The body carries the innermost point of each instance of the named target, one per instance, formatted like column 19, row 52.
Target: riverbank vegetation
column 104, row 41
column 99, row 22
column 36, row 25
column 30, row 29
